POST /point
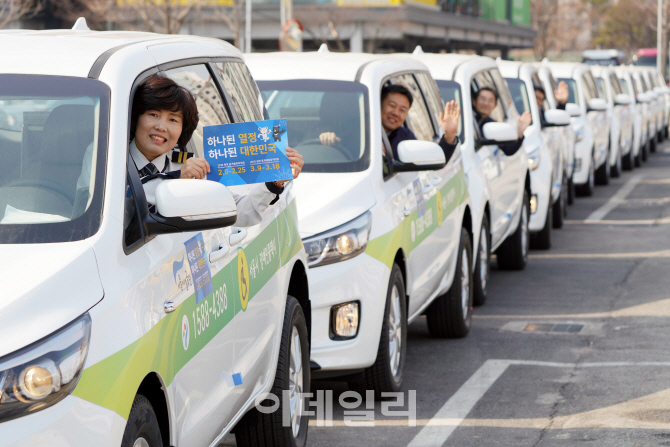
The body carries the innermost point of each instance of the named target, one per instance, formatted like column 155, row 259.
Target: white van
column 590, row 124
column 120, row 326
column 499, row 185
column 640, row 110
column 543, row 141
column 387, row 239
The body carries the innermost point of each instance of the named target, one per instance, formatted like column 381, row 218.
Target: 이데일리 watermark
column 358, row 412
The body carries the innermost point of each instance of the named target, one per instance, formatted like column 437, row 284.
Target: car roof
column 514, row 69
column 444, row 66
column 326, row 65
column 601, row 70
column 567, row 69
column 74, row 52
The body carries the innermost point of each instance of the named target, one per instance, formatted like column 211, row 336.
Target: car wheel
column 628, row 161
column 513, row 252
column 571, row 191
column 142, row 428
column 542, row 239
column 291, row 385
column 659, row 136
column 603, row 172
column 385, row 375
column 560, row 210
column 666, row 132
column 480, row 278
column 616, row 169
column 645, row 151
column 450, row 315
column 587, row 188
column 652, row 145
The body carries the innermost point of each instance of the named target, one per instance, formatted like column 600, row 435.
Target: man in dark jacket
column 396, row 102
column 484, row 102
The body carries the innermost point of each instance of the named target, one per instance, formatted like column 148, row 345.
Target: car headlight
column 45, row 372
column 534, row 159
column 338, row 244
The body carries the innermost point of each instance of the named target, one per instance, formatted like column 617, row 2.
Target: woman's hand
column 524, row 122
column 296, row 164
column 449, row 120
column 563, row 93
column 329, row 138
column 194, row 168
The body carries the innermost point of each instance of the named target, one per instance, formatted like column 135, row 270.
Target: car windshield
column 451, row 90
column 53, row 136
column 519, row 94
column 572, row 89
column 316, row 107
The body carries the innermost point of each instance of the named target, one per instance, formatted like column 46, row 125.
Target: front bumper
column 363, row 279
column 583, row 161
column 540, row 187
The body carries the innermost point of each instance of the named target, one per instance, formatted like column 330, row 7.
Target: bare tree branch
column 12, row 10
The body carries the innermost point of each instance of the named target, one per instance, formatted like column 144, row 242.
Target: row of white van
column 123, row 326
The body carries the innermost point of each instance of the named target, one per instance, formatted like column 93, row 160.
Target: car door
column 259, row 299
column 204, row 388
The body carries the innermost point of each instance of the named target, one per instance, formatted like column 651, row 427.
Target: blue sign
column 202, row 277
column 243, row 153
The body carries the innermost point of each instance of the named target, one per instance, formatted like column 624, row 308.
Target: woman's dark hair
column 396, row 88
column 488, row 89
column 159, row 92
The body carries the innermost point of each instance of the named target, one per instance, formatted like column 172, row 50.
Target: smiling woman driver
column 164, row 116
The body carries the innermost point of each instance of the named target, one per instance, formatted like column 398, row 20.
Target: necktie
column 148, row 170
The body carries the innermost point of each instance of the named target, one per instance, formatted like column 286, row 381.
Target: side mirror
column 597, row 104
column 642, row 97
column 554, row 117
column 194, row 205
column 622, row 99
column 419, row 155
column 498, row 133
column 573, row 109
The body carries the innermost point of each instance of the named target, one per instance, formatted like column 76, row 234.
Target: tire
column 627, row 161
column 386, row 374
column 667, row 135
column 142, row 425
column 560, row 210
column 615, row 170
column 571, row 191
column 542, row 239
column 652, row 145
column 257, row 429
column 480, row 278
column 604, row 171
column 659, row 136
column 450, row 315
column 638, row 159
column 587, row 188
column 513, row 252
column 645, row 151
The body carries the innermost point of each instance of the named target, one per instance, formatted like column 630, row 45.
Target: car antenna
column 323, row 48
column 80, row 25
column 418, row 50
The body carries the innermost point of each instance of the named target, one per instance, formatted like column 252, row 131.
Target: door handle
column 238, row 236
column 407, row 211
column 217, row 255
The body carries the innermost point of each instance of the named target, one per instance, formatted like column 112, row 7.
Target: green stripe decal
column 113, row 382
column 452, row 194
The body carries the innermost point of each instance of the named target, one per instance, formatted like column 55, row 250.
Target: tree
column 628, row 25
column 162, row 16
column 12, row 10
column 544, row 15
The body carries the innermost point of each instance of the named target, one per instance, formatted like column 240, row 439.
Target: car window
column 211, row 108
column 519, row 93
column 313, row 107
column 572, row 89
column 451, row 90
column 616, row 86
column 589, row 89
column 644, row 84
column 431, row 93
column 418, row 117
column 602, row 88
column 624, row 86
column 484, row 79
column 242, row 89
column 53, row 133
column 592, row 86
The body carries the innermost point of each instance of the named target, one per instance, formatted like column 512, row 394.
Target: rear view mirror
column 622, row 99
column 597, row 104
column 419, row 155
column 554, row 117
column 573, row 109
column 498, row 133
column 194, row 205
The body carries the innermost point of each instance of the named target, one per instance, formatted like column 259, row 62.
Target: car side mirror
column 573, row 109
column 498, row 133
column 419, row 155
column 193, row 205
column 555, row 117
column 642, row 97
column 622, row 99
column 597, row 104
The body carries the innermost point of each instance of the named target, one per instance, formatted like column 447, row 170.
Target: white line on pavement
column 440, row 427
column 615, row 200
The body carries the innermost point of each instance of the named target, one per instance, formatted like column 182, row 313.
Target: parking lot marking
column 633, row 255
column 659, row 221
column 629, row 414
column 660, row 308
column 614, row 201
column 656, row 181
column 660, row 200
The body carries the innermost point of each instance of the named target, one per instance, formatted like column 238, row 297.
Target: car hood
column 326, row 201
column 44, row 287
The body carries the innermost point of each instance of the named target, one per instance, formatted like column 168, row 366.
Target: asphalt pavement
column 572, row 350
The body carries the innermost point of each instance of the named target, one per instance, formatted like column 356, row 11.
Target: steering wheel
column 338, row 146
column 42, row 184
